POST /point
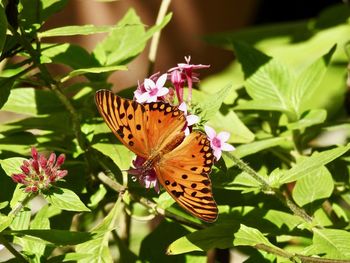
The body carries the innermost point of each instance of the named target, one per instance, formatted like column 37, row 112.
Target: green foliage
column 283, row 194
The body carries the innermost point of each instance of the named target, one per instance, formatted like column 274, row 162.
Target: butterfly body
column 155, row 132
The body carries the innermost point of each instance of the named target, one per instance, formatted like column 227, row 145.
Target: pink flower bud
column 42, row 161
column 52, row 160
column 34, row 153
column 26, row 163
column 60, row 160
column 35, row 166
column 62, row 173
column 25, row 169
column 18, row 178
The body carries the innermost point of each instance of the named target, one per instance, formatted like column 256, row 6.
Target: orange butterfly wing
column 144, row 129
column 184, row 171
column 157, row 129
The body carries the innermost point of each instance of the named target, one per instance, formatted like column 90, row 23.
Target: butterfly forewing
column 184, row 174
column 144, row 129
column 126, row 119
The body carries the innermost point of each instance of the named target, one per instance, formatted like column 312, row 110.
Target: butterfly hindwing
column 184, row 171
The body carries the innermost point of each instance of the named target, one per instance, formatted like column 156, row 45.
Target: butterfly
column 155, row 132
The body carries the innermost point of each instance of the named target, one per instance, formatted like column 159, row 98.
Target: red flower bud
column 34, row 153
column 42, row 161
column 60, row 160
column 52, row 160
column 62, row 173
column 25, row 169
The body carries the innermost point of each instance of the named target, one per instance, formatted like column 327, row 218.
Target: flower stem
column 10, row 248
column 155, row 38
column 266, row 187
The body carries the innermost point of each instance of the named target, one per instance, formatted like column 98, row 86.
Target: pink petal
column 162, row 91
column 187, row 131
column 161, row 81
column 217, row 154
column 149, row 84
column 143, row 97
column 209, row 131
column 227, row 147
column 192, row 119
column 223, row 136
column 183, row 107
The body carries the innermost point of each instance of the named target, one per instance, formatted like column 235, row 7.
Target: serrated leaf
column 317, row 184
column 308, row 81
column 266, row 78
column 220, row 236
column 12, row 165
column 65, row 199
column 213, row 102
column 312, row 117
column 332, row 243
column 75, row 30
column 271, row 105
column 257, row 146
column 57, row 237
column 312, row 163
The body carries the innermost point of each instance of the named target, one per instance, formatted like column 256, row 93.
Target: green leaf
column 312, row 163
column 237, row 129
column 317, row 184
column 220, row 236
column 126, row 40
column 12, row 165
column 65, row 199
column 5, row 222
column 213, row 102
column 6, row 85
column 32, row 102
column 3, row 28
column 332, row 243
column 50, row 7
column 266, row 78
column 75, row 30
column 120, row 155
column 312, row 117
column 271, row 105
column 308, row 81
column 97, row 248
column 248, row 236
column 57, row 237
column 257, row 146
column 95, row 70
column 3, row 204
column 97, row 196
column 68, row 257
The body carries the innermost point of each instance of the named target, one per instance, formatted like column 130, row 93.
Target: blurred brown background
column 182, row 36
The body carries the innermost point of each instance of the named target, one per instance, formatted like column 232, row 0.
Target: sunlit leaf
column 65, row 199
column 315, row 185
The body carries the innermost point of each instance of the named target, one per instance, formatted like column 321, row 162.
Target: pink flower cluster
column 153, row 89
column 38, row 173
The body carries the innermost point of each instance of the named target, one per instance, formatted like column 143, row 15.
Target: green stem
column 267, row 188
column 155, row 38
column 53, row 85
column 111, row 183
column 18, row 207
column 13, row 251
